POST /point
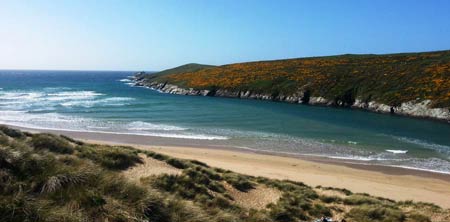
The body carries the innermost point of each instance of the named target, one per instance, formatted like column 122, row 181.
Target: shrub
column 211, row 174
column 330, row 199
column 359, row 199
column 182, row 185
column 11, row 132
column 240, row 182
column 114, row 158
column 418, row 218
column 319, row 210
column 52, row 143
column 180, row 164
column 196, row 162
column 420, row 205
column 4, row 139
column 375, row 214
column 156, row 156
column 66, row 179
column 155, row 210
column 118, row 160
column 282, row 213
column 72, row 140
column 18, row 208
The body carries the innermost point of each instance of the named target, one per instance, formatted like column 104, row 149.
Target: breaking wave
column 46, row 99
column 54, row 121
column 36, row 109
column 139, row 125
column 437, row 147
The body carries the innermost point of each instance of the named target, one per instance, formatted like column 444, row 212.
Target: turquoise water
column 107, row 102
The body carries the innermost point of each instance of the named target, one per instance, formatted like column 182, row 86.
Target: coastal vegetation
column 46, row 177
column 390, row 79
column 191, row 67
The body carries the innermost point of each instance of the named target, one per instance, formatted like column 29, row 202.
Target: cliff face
column 420, row 109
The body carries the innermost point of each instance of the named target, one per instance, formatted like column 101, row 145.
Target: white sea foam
column 144, row 126
column 429, row 165
column 27, row 99
column 97, row 127
column 20, row 96
column 438, row 147
column 44, row 100
column 23, row 117
column 76, row 94
column 54, row 121
column 397, row 151
column 113, row 101
column 359, row 158
column 421, row 169
column 125, row 80
column 56, row 89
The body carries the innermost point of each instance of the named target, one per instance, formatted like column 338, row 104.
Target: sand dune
column 393, row 186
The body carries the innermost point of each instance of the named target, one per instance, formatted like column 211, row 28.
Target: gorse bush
column 390, row 79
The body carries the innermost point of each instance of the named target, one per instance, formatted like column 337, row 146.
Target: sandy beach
column 389, row 182
column 397, row 187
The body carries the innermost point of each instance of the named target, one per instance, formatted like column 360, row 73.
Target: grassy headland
column 342, row 80
column 191, row 67
column 45, row 177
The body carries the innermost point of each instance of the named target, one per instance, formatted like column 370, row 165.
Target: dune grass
column 46, row 177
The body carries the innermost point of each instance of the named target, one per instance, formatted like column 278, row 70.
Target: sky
column 154, row 35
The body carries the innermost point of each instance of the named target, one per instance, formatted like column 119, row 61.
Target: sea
column 108, row 102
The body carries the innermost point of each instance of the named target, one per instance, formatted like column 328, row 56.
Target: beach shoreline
column 395, row 183
column 133, row 140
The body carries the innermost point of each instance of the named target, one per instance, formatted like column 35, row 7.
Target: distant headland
column 409, row 84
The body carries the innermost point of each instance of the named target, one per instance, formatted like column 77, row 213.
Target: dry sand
column 434, row 189
column 149, row 167
column 257, row 198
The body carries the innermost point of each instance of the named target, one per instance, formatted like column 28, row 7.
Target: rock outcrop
column 420, row 109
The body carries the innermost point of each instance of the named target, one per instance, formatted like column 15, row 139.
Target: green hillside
column 191, row 67
column 45, row 177
column 389, row 79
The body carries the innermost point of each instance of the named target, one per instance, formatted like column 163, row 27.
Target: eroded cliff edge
column 418, row 109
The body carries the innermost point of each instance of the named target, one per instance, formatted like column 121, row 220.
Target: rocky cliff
column 419, row 109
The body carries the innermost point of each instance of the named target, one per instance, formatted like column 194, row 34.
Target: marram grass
column 46, row 177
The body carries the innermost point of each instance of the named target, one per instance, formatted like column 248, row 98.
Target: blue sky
column 154, row 35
